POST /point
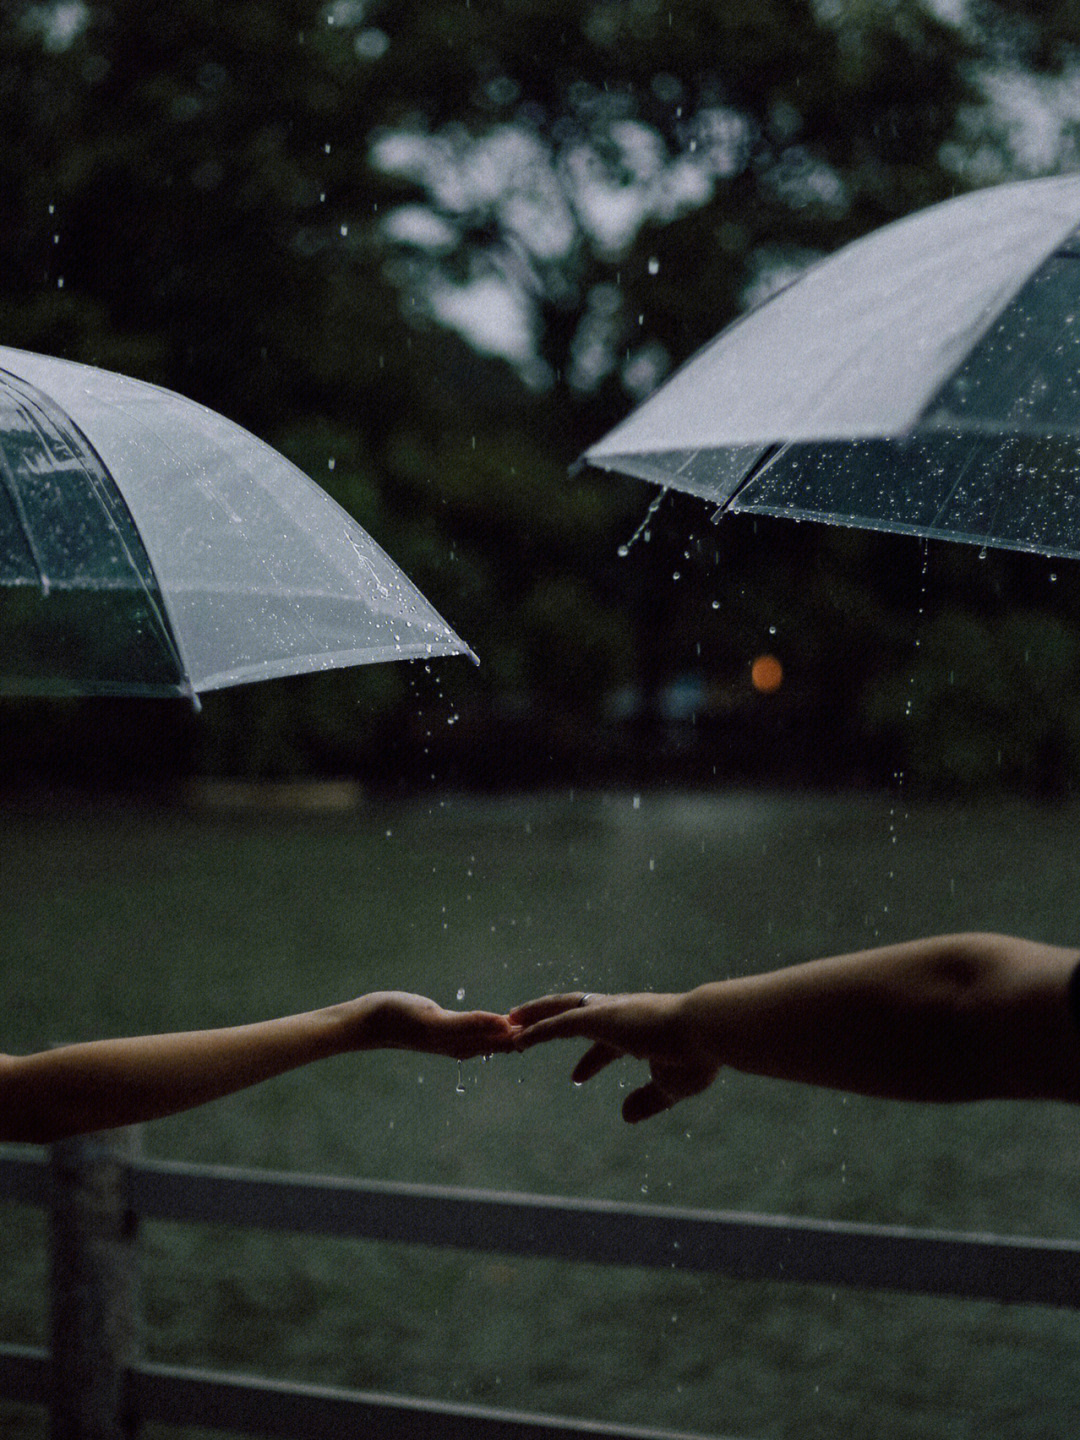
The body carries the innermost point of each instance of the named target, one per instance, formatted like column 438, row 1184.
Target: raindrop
column 982, row 553
column 637, row 802
column 461, row 993
column 331, row 463
column 772, row 629
column 344, row 231
column 654, row 265
column 1053, row 577
column 716, row 604
column 460, row 1086
column 326, row 149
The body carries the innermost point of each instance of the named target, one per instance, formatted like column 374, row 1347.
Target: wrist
column 701, row 1015
column 348, row 1025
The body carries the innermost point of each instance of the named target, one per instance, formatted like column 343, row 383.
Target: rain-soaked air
column 415, row 259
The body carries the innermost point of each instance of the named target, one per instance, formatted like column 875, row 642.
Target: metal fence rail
column 750, row 1247
column 172, row 1395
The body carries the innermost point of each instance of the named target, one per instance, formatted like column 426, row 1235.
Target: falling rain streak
column 897, row 804
column 642, row 529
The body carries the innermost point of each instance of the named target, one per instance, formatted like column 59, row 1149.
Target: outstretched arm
column 105, row 1083
column 955, row 1017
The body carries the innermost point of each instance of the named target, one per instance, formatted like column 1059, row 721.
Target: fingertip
column 643, row 1104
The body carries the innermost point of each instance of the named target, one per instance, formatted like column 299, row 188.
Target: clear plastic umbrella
column 150, row 546
column 925, row 379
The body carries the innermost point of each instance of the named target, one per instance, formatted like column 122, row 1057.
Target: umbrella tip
column 574, row 470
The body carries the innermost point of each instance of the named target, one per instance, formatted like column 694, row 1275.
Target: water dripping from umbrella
column 642, row 529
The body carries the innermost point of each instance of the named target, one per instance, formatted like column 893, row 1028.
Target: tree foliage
column 431, row 248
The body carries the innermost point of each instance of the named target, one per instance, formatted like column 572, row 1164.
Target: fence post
column 95, row 1313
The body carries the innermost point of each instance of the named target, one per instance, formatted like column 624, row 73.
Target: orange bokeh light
column 766, row 674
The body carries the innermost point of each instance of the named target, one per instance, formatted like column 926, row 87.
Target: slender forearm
column 107, row 1083
column 960, row 1017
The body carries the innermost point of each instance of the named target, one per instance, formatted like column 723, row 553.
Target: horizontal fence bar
column 597, row 1232
column 250, row 1406
column 24, row 1374
column 1013, row 1269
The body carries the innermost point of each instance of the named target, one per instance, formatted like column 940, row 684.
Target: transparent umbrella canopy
column 925, row 379
column 149, row 546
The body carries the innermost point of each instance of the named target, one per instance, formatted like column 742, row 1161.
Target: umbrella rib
column 94, row 468
column 20, row 515
column 767, row 456
column 953, row 488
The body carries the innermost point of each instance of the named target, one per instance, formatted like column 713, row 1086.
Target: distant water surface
column 135, row 919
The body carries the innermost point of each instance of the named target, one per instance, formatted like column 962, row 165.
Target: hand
column 396, row 1020
column 650, row 1027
